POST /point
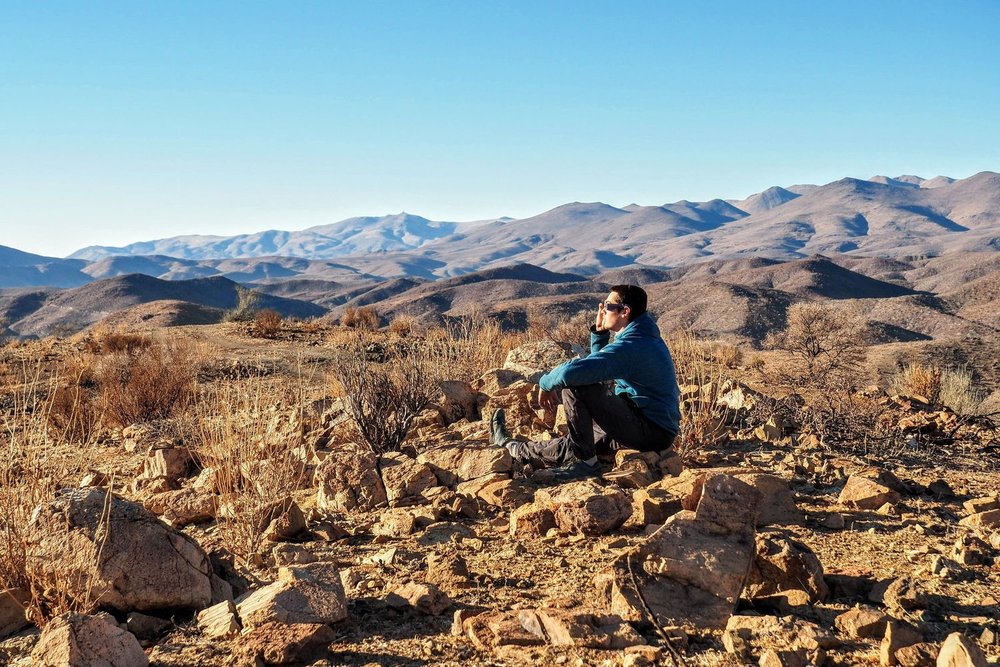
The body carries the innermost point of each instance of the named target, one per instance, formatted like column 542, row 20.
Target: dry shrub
column 386, row 388
column 403, row 325
column 74, row 408
column 360, row 318
column 108, row 342
column 827, row 345
column 246, row 306
column 35, row 461
column 704, row 419
column 249, row 434
column 146, row 384
column 950, row 387
column 474, row 344
column 574, row 330
column 267, row 323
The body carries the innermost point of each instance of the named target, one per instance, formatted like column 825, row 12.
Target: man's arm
column 611, row 362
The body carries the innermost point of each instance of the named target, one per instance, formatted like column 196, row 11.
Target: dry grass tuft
column 267, row 323
column 360, row 318
column 704, row 419
column 951, row 387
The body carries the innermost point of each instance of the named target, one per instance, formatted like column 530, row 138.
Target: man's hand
column 548, row 399
column 599, row 323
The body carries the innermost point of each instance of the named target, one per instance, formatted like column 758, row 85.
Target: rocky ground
column 772, row 548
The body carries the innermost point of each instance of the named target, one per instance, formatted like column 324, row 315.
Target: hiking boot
column 499, row 434
column 578, row 470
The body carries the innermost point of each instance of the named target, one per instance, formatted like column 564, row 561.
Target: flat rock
column 348, row 480
column 77, row 640
column 532, row 360
column 453, row 464
column 653, row 506
column 140, row 564
column 219, row 620
column 424, row 598
column 923, row 654
column 693, row 568
column 988, row 520
column 309, row 594
column 396, row 522
column 866, row 494
column 586, row 507
column 555, row 627
column 170, row 462
column 898, row 635
column 532, row 520
column 977, row 505
column 183, row 506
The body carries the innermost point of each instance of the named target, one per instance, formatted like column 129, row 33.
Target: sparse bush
column 246, row 306
column 827, row 345
column 403, row 325
column 360, row 318
column 953, row 388
column 150, row 383
column 108, row 342
column 267, row 323
column 704, row 419
column 73, row 407
column 574, row 330
column 249, row 435
column 385, row 389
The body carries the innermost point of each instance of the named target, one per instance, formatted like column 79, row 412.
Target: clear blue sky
column 127, row 121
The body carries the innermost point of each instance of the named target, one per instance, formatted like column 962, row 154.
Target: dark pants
column 599, row 423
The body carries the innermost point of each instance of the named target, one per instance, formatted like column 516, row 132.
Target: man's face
column 615, row 314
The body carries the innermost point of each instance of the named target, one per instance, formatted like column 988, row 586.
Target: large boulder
column 348, row 479
column 458, row 400
column 88, row 545
column 76, row 640
column 691, row 570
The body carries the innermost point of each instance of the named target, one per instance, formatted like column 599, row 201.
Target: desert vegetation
column 267, row 443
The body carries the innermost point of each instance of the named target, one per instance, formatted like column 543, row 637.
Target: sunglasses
column 614, row 307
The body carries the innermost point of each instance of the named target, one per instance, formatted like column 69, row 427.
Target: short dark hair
column 632, row 296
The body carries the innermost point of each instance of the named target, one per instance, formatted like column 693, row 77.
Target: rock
column 458, row 400
column 849, row 585
column 533, row 520
column 918, row 655
column 405, row 477
column 905, row 594
column 308, row 594
column 960, row 651
column 940, row 489
column 866, row 494
column 12, row 615
column 860, row 623
column 792, row 640
column 532, row 360
column 492, row 381
column 453, row 464
column 171, row 462
column 445, row 532
column 692, row 569
column 77, row 640
column 898, row 634
column 977, row 505
column 448, row 571
column 988, row 520
column 348, row 480
column 144, row 626
column 777, row 506
column 970, row 550
column 585, row 507
column 284, row 644
column 425, row 598
column 219, row 620
column 284, row 521
column 182, row 507
column 560, row 627
column 396, row 522
column 772, row 658
column 793, row 602
column 670, row 464
column 139, row 564
column 653, row 506
column 783, row 564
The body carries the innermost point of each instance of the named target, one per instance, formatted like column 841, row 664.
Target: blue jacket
column 639, row 362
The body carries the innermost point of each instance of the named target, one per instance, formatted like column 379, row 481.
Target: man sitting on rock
column 641, row 411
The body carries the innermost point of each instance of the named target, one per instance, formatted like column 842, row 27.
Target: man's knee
column 582, row 391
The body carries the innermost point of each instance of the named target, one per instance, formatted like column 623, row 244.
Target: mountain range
column 900, row 217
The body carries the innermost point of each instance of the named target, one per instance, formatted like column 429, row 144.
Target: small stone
column 285, row 643
column 219, row 620
column 144, row 626
column 940, row 489
column 986, row 520
column 977, row 505
column 898, row 634
column 76, row 640
column 866, row 494
column 425, row 598
column 834, row 521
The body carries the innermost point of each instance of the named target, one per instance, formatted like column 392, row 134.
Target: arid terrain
column 230, row 494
